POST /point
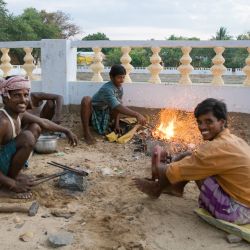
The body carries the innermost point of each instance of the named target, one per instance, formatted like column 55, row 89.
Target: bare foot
column 89, row 139
column 4, row 193
column 171, row 190
column 25, row 196
column 176, row 189
column 151, row 188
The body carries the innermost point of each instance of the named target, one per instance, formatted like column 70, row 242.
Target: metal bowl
column 46, row 144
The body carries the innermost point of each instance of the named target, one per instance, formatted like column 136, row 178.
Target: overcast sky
column 146, row 19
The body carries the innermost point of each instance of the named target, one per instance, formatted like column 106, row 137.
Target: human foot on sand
column 89, row 139
column 20, row 188
column 174, row 190
column 159, row 182
column 4, row 193
column 151, row 188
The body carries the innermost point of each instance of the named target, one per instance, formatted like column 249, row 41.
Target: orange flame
column 164, row 131
column 176, row 125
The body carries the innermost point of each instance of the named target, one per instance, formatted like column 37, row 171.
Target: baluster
column 155, row 67
column 185, row 68
column 97, row 66
column 29, row 65
column 5, row 59
column 246, row 69
column 125, row 60
column 218, row 68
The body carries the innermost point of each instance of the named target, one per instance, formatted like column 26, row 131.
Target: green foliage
column 33, row 25
column 94, row 37
column 4, row 22
column 222, row 34
column 245, row 36
column 140, row 57
column 235, row 58
column 113, row 57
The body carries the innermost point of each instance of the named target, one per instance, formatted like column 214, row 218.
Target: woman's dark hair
column 218, row 108
column 116, row 70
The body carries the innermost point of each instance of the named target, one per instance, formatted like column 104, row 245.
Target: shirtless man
column 46, row 105
column 16, row 145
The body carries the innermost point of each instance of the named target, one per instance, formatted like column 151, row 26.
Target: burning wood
column 164, row 131
column 176, row 131
column 177, row 126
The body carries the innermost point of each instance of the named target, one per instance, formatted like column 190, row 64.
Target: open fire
column 164, row 131
column 174, row 130
column 177, row 126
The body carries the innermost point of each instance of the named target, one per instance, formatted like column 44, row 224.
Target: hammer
column 21, row 208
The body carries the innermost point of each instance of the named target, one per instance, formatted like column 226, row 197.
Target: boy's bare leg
column 116, row 117
column 86, row 111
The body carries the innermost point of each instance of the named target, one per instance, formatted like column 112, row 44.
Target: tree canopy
column 33, row 24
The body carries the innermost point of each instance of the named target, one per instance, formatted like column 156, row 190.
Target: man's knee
column 35, row 129
column 86, row 100
column 26, row 139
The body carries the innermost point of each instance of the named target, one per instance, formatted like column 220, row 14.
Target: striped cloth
column 221, row 205
column 6, row 154
column 100, row 120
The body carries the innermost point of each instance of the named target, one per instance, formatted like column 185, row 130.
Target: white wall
column 165, row 95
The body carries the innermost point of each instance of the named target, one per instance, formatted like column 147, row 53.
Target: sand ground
column 112, row 213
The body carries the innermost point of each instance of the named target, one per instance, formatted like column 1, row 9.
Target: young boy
column 45, row 105
column 220, row 167
column 106, row 103
column 16, row 145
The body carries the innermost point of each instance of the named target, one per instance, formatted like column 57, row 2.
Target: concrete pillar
column 58, row 61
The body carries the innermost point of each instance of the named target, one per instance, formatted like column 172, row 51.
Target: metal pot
column 46, row 144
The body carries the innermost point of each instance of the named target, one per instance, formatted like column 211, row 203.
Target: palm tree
column 222, row 34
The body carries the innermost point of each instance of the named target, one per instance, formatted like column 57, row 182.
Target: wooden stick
column 11, row 208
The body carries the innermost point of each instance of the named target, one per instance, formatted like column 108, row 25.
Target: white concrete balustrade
column 59, row 68
column 166, row 70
